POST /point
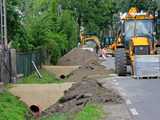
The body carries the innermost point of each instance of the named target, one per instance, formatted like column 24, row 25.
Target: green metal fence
column 24, row 62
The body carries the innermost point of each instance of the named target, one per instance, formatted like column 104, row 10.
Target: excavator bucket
column 146, row 66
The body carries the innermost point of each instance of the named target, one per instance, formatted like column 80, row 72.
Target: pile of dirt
column 92, row 69
column 89, row 65
column 81, row 93
column 77, row 56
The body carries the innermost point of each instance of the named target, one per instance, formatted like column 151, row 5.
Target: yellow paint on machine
column 140, row 41
column 86, row 38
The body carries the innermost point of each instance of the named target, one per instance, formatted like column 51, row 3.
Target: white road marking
column 134, row 112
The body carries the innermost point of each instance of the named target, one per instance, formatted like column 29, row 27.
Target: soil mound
column 77, row 56
column 81, row 93
column 91, row 69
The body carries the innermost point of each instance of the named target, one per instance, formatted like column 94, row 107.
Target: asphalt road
column 109, row 63
column 143, row 95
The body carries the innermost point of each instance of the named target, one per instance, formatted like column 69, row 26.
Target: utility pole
column 3, row 24
column 4, row 57
column 7, row 56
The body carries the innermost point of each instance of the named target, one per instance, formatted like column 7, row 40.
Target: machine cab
column 139, row 31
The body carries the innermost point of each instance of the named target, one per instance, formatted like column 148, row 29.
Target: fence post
column 4, row 66
column 13, row 65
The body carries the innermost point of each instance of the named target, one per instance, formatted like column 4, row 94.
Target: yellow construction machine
column 90, row 40
column 135, row 42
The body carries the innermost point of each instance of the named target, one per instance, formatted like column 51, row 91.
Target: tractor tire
column 121, row 62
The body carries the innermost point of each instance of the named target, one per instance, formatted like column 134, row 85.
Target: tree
column 13, row 19
column 43, row 27
column 55, row 24
column 67, row 25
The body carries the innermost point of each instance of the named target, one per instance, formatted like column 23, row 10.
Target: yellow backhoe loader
column 90, row 40
column 136, row 45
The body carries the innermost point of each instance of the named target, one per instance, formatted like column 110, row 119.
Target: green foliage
column 90, row 112
column 43, row 27
column 91, row 14
column 33, row 79
column 67, row 25
column 13, row 19
column 149, row 5
column 59, row 41
column 125, row 5
column 38, row 23
column 11, row 108
column 20, row 41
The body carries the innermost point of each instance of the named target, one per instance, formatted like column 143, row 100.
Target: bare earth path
column 42, row 95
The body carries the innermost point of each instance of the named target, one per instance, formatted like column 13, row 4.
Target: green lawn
column 33, row 78
column 11, row 108
column 89, row 112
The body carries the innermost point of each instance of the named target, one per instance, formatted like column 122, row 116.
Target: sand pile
column 77, row 56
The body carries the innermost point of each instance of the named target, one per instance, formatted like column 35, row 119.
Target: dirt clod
column 81, row 93
column 92, row 69
column 87, row 89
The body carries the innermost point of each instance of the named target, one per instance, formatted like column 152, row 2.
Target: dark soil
column 86, row 89
column 92, row 69
column 81, row 93
column 89, row 65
